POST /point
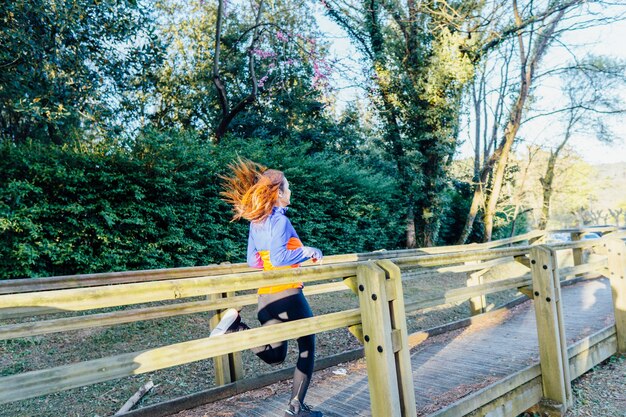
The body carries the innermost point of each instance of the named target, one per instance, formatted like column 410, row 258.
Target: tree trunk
column 476, row 98
column 410, row 229
column 473, row 212
column 498, row 177
column 543, row 40
column 228, row 113
column 546, row 183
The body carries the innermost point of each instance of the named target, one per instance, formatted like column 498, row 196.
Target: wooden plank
column 411, row 273
column 580, row 244
column 583, row 269
column 123, row 277
column 109, row 278
column 402, row 354
column 132, row 401
column 617, row 234
column 474, row 266
column 486, row 245
column 595, row 353
column 463, row 294
column 19, row 305
column 459, row 257
column 13, row 331
column 378, row 347
column 556, row 382
column 26, row 329
column 590, row 341
column 35, row 383
column 486, row 395
column 602, row 229
column 577, row 253
column 514, row 402
column 617, row 275
column 477, row 305
column 221, row 364
column 535, row 234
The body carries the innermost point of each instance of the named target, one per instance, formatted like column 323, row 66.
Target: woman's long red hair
column 252, row 190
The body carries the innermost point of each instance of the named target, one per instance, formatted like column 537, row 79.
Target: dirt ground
column 601, row 392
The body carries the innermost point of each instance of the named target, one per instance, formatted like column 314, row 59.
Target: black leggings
column 280, row 307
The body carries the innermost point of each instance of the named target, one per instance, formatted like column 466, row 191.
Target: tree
column 232, row 64
column 488, row 136
column 414, row 55
column 616, row 215
column 68, row 67
column 590, row 90
column 535, row 31
column 575, row 186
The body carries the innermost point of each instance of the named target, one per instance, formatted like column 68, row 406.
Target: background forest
column 118, row 117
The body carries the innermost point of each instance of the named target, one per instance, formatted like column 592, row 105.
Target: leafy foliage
column 71, row 69
column 157, row 204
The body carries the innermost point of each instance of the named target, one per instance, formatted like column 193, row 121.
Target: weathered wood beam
column 35, row 328
column 35, row 383
column 616, row 252
column 19, row 305
column 550, row 329
column 378, row 346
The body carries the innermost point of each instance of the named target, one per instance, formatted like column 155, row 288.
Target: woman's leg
column 285, row 306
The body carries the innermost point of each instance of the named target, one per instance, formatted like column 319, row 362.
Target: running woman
column 261, row 196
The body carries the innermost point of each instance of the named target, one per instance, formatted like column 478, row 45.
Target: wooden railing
column 379, row 321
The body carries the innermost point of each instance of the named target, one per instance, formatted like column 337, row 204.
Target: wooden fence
column 379, row 321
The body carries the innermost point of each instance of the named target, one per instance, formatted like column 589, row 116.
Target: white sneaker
column 229, row 322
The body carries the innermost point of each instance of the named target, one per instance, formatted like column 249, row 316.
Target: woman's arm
column 282, row 231
column 254, row 259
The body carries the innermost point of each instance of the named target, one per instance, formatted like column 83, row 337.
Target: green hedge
column 156, row 204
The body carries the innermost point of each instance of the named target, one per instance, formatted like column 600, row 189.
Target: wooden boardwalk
column 445, row 367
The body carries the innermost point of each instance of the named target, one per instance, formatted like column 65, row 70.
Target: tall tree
column 67, row 67
column 590, row 88
column 535, row 29
column 232, row 61
column 415, row 57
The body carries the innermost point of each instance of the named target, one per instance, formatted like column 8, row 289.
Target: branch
column 343, row 22
column 580, row 107
column 513, row 30
column 228, row 116
column 219, row 86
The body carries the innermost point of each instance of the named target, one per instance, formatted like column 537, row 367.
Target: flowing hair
column 252, row 190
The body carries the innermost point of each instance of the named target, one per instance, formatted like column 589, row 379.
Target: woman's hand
column 313, row 253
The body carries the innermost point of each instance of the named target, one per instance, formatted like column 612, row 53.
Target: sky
column 607, row 40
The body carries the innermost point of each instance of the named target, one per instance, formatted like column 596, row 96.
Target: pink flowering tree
column 278, row 53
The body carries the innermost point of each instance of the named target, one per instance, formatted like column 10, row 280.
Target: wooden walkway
column 445, row 367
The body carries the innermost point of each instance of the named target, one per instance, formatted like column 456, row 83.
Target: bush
column 156, row 204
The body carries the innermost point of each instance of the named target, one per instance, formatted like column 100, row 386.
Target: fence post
column 577, row 253
column 356, row 329
column 616, row 252
column 478, row 304
column 402, row 354
column 228, row 368
column 378, row 347
column 553, row 355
